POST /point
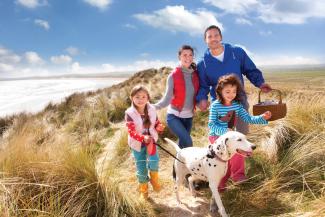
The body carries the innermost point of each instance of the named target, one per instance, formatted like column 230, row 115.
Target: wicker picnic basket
column 278, row 109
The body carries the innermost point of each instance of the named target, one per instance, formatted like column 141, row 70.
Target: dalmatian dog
column 209, row 164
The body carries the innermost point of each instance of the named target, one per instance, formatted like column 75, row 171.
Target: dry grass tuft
column 48, row 160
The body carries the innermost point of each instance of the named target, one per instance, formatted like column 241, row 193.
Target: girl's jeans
column 143, row 162
column 181, row 127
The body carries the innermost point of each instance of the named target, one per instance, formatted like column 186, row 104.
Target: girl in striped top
column 224, row 113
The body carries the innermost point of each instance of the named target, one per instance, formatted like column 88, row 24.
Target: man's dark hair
column 212, row 27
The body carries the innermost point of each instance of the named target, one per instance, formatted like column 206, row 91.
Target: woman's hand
column 203, row 105
column 267, row 115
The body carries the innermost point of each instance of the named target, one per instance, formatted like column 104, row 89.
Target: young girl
column 143, row 127
column 181, row 89
column 222, row 118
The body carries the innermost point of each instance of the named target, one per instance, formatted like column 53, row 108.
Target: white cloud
column 285, row 60
column 62, row 59
column 101, row 4
column 234, row 6
column 42, row 23
column 265, row 33
column 130, row 26
column 273, row 11
column 279, row 60
column 73, row 51
column 5, row 67
column 32, row 3
column 144, row 55
column 138, row 65
column 292, row 11
column 243, row 21
column 177, row 18
column 8, row 57
column 33, row 58
column 76, row 68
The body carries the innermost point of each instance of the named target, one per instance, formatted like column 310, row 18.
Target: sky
column 51, row 37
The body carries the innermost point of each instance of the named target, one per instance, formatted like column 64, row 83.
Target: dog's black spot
column 207, row 159
column 239, row 140
column 209, row 165
column 199, row 165
column 211, row 154
column 195, row 173
column 202, row 174
column 197, row 169
column 192, row 169
column 209, row 146
column 215, row 165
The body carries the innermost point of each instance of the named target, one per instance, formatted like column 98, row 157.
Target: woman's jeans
column 181, row 127
column 143, row 162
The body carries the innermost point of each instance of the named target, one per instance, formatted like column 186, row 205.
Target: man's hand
column 203, row 105
column 265, row 88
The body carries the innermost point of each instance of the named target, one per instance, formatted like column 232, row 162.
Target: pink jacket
column 134, row 114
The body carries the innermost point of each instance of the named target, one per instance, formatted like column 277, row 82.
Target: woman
column 181, row 89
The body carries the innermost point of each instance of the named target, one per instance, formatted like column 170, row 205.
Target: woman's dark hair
column 212, row 27
column 232, row 80
column 187, row 47
column 134, row 91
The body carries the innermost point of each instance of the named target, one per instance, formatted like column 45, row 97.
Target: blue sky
column 49, row 37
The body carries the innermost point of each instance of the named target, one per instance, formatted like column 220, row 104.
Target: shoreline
column 66, row 77
column 33, row 95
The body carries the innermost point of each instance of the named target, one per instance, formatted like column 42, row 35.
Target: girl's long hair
column 233, row 80
column 134, row 91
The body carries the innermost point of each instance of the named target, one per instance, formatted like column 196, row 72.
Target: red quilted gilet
column 179, row 88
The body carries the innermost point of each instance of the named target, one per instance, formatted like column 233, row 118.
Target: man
column 221, row 59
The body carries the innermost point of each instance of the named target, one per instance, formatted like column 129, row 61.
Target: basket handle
column 280, row 95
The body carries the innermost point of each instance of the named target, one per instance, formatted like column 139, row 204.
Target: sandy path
column 163, row 202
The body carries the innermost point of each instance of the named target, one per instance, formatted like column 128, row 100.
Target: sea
column 32, row 95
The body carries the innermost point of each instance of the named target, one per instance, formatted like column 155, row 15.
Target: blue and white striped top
column 218, row 111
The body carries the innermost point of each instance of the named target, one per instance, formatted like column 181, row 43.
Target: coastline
column 34, row 94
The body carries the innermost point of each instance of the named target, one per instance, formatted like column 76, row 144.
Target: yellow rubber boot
column 154, row 181
column 143, row 188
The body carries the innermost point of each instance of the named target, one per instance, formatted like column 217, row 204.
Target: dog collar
column 219, row 159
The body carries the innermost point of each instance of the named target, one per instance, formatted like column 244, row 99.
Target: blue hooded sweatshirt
column 235, row 61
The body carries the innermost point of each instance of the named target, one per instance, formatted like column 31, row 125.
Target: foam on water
column 33, row 95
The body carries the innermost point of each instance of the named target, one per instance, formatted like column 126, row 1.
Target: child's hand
column 267, row 115
column 147, row 139
column 160, row 128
